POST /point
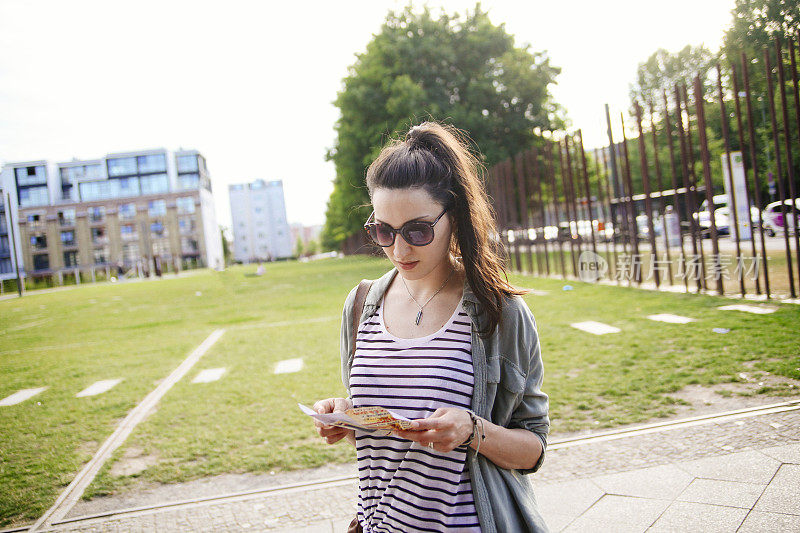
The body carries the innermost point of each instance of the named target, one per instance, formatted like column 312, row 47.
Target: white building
column 260, row 229
column 122, row 209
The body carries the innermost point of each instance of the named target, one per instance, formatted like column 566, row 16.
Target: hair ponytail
column 436, row 158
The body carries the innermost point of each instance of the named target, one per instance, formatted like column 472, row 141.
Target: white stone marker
column 672, row 319
column 21, row 396
column 756, row 309
column 596, row 328
column 98, row 387
column 288, row 366
column 208, row 375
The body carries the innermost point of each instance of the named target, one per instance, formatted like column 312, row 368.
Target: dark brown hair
column 436, row 157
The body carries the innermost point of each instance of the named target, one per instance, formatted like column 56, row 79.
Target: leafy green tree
column 459, row 69
column 663, row 69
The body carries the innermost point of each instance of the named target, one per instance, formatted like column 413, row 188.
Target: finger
column 324, row 406
column 340, row 405
column 428, row 423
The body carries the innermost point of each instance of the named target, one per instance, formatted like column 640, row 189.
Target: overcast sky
column 251, row 84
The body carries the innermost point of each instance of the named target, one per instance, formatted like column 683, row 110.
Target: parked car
column 721, row 216
column 773, row 218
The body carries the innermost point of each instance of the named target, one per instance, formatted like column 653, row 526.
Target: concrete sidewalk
column 736, row 475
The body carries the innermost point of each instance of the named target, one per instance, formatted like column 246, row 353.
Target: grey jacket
column 508, row 378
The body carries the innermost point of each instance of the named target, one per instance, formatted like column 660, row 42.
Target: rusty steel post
column 532, row 210
column 754, row 163
column 518, row 176
column 740, row 130
column 552, row 175
column 732, row 209
column 648, row 207
column 631, row 208
column 699, row 103
column 536, row 173
column 779, row 173
column 588, row 191
column 568, row 206
column 605, row 209
column 660, row 183
column 787, row 137
column 692, row 191
column 674, row 179
column 572, row 193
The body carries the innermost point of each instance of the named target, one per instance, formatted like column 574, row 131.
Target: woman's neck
column 439, row 279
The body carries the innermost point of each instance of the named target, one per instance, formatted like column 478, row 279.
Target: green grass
column 248, row 421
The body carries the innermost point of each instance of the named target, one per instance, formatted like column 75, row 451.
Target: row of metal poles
column 548, row 186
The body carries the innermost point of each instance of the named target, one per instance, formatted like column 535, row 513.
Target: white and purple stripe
column 404, row 487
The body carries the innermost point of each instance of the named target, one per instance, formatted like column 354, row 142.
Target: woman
column 444, row 340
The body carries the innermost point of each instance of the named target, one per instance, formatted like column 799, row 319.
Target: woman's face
column 398, row 206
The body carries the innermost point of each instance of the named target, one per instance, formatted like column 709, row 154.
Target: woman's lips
column 408, row 266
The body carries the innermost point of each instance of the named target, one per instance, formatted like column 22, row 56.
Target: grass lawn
column 248, row 420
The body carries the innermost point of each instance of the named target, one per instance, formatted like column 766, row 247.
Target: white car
column 721, row 216
column 773, row 218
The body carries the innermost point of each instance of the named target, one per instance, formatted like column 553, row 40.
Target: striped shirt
column 404, row 487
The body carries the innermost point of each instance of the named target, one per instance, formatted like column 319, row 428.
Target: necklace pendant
column 419, row 317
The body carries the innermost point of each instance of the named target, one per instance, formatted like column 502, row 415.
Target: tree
column 226, row 246
column 663, row 69
column 463, row 70
column 756, row 23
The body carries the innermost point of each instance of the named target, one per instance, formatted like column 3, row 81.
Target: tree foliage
column 459, row 69
column 663, row 69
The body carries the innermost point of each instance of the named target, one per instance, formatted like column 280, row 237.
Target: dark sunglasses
column 416, row 232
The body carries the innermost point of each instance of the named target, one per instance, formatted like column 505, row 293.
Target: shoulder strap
column 358, row 308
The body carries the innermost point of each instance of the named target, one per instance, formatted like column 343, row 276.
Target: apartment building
column 260, row 229
column 145, row 209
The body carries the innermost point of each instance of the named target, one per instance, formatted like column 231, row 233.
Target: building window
column 31, row 176
column 5, row 266
column 157, row 230
column 188, row 245
column 101, row 255
column 3, row 224
column 68, row 238
column 127, row 211
column 66, row 217
column 185, row 205
column 29, row 196
column 70, row 259
column 41, row 262
column 34, row 219
column 149, row 164
column 4, row 247
column 99, row 235
column 122, row 166
column 98, row 190
column 127, row 187
column 81, row 172
column 127, row 231
column 189, row 182
column 187, row 163
column 186, row 225
column 97, row 213
column 130, row 253
column 155, row 184
column 39, row 242
column 157, row 208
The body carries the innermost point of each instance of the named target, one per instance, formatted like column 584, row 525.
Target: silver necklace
column 419, row 315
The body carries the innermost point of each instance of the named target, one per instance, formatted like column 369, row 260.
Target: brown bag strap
column 358, row 308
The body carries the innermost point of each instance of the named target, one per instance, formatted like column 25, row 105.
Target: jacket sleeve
column 532, row 412
column 346, row 338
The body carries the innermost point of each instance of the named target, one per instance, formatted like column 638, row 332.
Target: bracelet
column 476, row 421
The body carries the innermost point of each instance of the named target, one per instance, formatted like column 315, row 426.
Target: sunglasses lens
column 418, row 234
column 381, row 234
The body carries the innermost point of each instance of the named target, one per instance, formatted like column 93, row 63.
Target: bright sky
column 250, row 84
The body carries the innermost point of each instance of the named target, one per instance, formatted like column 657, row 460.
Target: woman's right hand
column 333, row 434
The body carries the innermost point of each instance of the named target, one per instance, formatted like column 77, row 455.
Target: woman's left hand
column 447, row 428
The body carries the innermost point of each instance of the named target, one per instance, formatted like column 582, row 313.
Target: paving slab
column 582, row 495
column 661, row 482
column 761, row 522
column 621, row 514
column 716, row 492
column 687, row 516
column 670, row 318
column 289, row 366
column 20, row 396
column 788, row 453
column 750, row 466
column 595, row 328
column 783, row 493
column 98, row 387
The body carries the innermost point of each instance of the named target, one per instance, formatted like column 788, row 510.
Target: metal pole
column 676, row 204
column 588, row 191
column 732, row 210
column 740, row 129
column 754, row 163
column 779, row 169
column 648, row 207
column 633, row 228
column 551, row 173
column 573, row 195
column 692, row 190
column 706, row 160
column 660, row 183
column 535, row 170
column 787, row 137
column 602, row 181
column 523, row 220
column 567, row 205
